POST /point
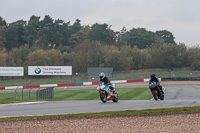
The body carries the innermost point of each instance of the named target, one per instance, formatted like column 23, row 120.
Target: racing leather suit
column 106, row 81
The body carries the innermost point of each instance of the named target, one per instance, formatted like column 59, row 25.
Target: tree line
column 49, row 42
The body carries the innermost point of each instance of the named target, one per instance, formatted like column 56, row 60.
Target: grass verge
column 139, row 93
column 146, row 111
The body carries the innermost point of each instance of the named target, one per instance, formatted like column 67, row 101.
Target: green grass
column 140, row 93
column 88, row 94
column 6, row 96
column 159, row 75
column 146, row 111
column 9, row 97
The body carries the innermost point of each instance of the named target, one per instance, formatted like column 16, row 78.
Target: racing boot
column 161, row 88
column 114, row 91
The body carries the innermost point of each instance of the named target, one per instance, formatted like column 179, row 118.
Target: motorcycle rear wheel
column 115, row 97
column 162, row 97
column 103, row 97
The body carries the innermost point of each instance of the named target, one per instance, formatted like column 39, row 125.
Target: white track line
column 24, row 103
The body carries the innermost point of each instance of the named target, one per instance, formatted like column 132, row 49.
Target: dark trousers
column 161, row 88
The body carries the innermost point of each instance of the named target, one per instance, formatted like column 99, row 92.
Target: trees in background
column 112, row 58
column 15, row 35
column 3, row 57
column 18, row 56
column 166, row 36
column 38, row 58
column 102, row 33
column 125, row 58
column 49, row 42
column 140, row 37
column 48, row 33
column 3, row 26
column 95, row 54
column 87, row 54
column 194, row 57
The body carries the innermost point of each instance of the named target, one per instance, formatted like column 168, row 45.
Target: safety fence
column 47, row 93
column 33, row 93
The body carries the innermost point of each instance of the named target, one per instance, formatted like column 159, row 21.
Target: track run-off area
column 177, row 94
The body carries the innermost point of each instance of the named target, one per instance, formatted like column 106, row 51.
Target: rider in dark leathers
column 159, row 87
column 106, row 81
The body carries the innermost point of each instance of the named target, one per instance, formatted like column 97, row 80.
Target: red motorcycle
column 154, row 89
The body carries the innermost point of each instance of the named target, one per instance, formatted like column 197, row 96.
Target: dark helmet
column 102, row 75
column 153, row 76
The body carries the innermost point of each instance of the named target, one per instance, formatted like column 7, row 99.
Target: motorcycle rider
column 159, row 87
column 106, row 80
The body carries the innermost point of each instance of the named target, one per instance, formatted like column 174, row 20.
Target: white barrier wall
column 11, row 71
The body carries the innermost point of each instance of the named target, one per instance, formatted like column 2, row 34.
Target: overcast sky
column 181, row 17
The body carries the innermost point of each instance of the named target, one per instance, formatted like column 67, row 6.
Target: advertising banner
column 11, row 71
column 49, row 70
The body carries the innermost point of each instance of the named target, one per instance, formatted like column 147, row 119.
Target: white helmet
column 102, row 75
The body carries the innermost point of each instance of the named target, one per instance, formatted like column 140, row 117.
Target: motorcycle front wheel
column 103, row 97
column 155, row 96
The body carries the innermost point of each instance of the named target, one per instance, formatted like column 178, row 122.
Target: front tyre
column 115, row 97
column 103, row 97
column 155, row 95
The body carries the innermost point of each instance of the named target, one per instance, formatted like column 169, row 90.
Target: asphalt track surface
column 175, row 96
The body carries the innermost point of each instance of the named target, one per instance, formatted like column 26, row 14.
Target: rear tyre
column 162, row 97
column 115, row 97
column 103, row 97
column 155, row 96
